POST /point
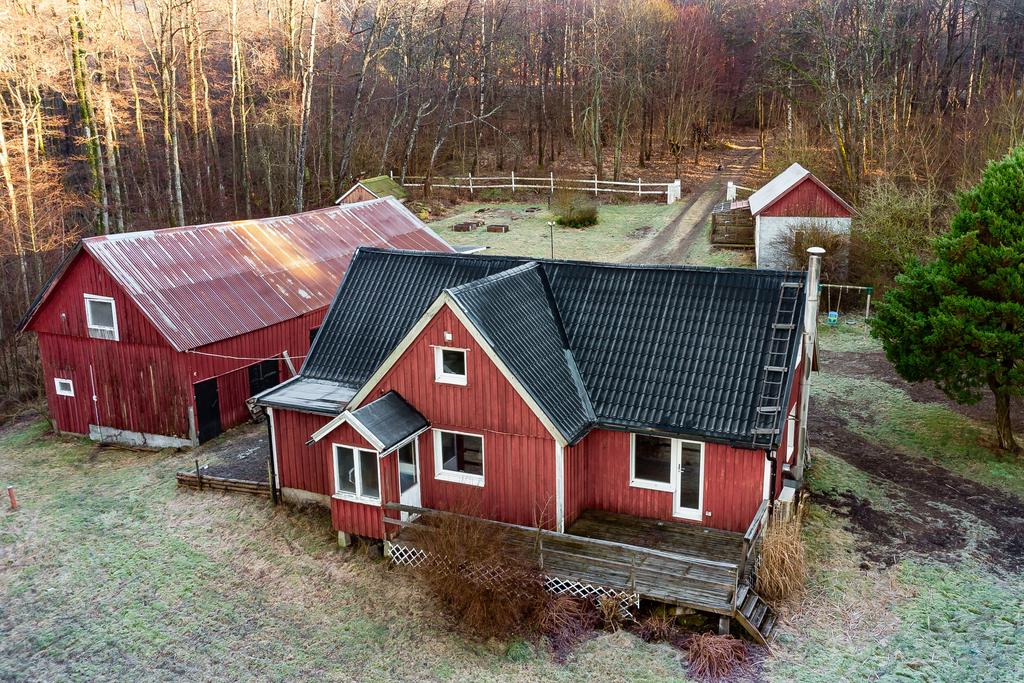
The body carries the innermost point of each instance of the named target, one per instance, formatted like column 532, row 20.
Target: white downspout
column 810, row 340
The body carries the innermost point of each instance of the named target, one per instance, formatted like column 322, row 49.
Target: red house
column 158, row 337
column 652, row 408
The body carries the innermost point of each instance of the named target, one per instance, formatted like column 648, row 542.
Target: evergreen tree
column 958, row 320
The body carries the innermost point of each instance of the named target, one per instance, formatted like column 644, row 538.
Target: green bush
column 574, row 209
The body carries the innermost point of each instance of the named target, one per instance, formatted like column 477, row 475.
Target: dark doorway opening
column 207, row 410
column 263, row 375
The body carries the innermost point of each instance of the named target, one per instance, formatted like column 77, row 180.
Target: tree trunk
column 1004, row 427
column 307, row 100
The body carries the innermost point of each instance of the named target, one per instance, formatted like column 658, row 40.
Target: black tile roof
column 674, row 349
column 513, row 311
column 390, row 419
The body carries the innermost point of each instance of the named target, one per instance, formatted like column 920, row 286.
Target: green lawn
column 109, row 572
column 619, row 228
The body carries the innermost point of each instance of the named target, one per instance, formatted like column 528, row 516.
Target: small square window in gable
column 450, row 365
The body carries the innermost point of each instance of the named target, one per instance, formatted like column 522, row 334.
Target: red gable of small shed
column 808, row 198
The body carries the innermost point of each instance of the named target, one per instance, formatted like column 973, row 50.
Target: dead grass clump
column 611, row 616
column 782, row 571
column 713, row 657
column 566, row 621
column 491, row 588
column 657, row 628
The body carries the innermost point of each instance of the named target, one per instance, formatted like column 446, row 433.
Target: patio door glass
column 409, row 476
column 689, row 489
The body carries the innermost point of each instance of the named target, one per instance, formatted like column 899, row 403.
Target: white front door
column 409, row 476
column 688, row 463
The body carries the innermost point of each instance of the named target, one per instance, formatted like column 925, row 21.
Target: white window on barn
column 63, row 387
column 651, row 462
column 449, row 365
column 459, row 457
column 101, row 317
column 356, row 474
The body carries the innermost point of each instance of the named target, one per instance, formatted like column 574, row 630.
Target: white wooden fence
column 672, row 190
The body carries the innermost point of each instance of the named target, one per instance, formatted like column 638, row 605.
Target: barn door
column 207, row 410
column 263, row 376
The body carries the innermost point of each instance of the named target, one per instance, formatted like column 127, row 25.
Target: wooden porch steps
column 755, row 615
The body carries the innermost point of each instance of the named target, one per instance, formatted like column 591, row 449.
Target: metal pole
column 551, row 235
column 867, row 310
column 513, row 182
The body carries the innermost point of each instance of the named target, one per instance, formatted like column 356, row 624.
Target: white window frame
column 636, row 482
column 458, row 477
column 696, row 513
column 63, row 392
column 446, row 377
column 674, row 476
column 88, row 317
column 358, row 496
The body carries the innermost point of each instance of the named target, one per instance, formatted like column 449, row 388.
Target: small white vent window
column 64, row 387
column 449, row 365
column 101, row 317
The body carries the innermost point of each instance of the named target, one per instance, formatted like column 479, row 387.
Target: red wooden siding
column 311, row 468
column 63, row 313
column 519, row 453
column 138, row 387
column 807, row 198
column 299, row 466
column 597, row 477
column 486, row 402
column 141, row 383
column 358, row 194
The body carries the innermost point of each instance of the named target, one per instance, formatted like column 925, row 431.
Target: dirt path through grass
column 673, row 243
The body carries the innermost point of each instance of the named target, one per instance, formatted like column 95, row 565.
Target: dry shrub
column 491, row 587
column 611, row 616
column 713, row 657
column 793, row 246
column 657, row 628
column 566, row 621
column 782, row 570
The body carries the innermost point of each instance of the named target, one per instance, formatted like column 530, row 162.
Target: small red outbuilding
column 159, row 337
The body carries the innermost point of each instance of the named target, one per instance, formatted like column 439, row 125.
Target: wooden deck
column 670, row 562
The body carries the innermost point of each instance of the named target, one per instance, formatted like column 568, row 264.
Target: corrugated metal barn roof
column 203, row 284
column 676, row 349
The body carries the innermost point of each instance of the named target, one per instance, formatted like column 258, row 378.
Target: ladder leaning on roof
column 773, row 384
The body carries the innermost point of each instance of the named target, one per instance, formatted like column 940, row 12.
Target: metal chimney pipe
column 810, row 340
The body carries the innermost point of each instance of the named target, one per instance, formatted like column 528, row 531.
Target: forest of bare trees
column 123, row 115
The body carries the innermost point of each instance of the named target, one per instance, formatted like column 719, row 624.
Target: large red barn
column 159, row 337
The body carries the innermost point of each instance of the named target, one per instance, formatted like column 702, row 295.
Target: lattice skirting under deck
column 407, row 556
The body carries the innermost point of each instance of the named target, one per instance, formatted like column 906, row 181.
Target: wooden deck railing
column 752, row 537
column 653, row 574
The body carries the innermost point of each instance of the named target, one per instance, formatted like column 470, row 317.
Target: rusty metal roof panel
column 203, row 284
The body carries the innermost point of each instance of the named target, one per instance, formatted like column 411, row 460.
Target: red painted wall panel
column 311, row 468
column 807, row 198
column 598, row 472
column 138, row 387
column 142, row 384
column 359, row 194
column 487, row 402
column 300, row 466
